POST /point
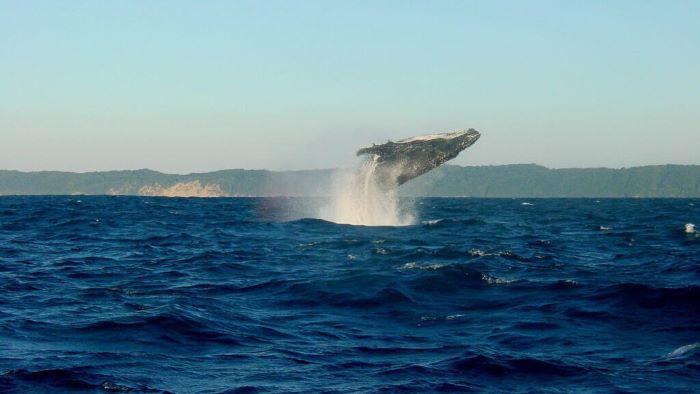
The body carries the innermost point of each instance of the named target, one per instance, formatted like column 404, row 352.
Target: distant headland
column 505, row 181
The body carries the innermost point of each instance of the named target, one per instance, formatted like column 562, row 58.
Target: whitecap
column 604, row 228
column 683, row 350
column 381, row 251
column 477, row 252
column 690, row 228
column 441, row 318
column 416, row 266
column 495, row 281
column 480, row 253
column 527, row 204
column 431, row 222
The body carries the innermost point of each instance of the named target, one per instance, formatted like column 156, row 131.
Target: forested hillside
column 448, row 181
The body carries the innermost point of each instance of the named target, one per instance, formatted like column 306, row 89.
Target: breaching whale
column 399, row 162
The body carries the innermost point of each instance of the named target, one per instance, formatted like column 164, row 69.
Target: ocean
column 245, row 295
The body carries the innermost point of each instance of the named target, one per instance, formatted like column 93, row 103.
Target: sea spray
column 360, row 197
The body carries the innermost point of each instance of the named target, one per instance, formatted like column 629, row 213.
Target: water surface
column 223, row 295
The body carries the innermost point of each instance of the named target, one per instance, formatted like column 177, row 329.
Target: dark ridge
column 530, row 367
column 505, row 181
column 65, row 380
column 651, row 297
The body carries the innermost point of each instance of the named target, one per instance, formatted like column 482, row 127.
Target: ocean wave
column 416, row 266
column 224, row 295
column 452, row 278
column 505, row 254
column 65, row 379
column 453, row 223
column 162, row 328
column 514, row 367
column 646, row 296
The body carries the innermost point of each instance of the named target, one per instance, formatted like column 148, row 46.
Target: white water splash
column 683, row 351
column 359, row 198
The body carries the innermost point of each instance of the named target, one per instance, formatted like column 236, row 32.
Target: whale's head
column 443, row 146
column 467, row 137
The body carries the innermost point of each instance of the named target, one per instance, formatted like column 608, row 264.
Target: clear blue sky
column 183, row 86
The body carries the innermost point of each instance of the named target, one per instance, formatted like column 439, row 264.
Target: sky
column 194, row 86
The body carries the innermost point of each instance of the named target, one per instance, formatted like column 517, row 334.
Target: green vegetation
column 536, row 181
column 448, row 181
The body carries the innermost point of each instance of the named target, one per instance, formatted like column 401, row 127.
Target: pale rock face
column 183, row 189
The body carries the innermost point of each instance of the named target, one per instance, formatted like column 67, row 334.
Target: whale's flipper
column 399, row 162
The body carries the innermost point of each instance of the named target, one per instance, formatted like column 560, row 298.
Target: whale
column 398, row 162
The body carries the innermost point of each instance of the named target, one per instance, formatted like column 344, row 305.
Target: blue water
column 128, row 294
